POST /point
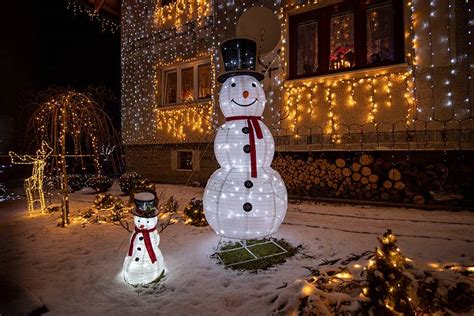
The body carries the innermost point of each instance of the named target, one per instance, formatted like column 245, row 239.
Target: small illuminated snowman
column 245, row 198
column 144, row 262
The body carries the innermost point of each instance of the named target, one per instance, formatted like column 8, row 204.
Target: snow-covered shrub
column 107, row 202
column 128, row 181
column 390, row 284
column 99, row 183
column 194, row 213
column 170, row 206
column 144, row 185
column 76, row 181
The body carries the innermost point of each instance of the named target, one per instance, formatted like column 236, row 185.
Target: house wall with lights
column 346, row 76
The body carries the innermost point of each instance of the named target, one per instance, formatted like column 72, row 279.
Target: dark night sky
column 43, row 44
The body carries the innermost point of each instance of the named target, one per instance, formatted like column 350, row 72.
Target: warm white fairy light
column 106, row 24
column 34, row 185
column 146, row 44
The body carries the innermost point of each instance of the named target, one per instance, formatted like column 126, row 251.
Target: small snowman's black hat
column 145, row 205
column 240, row 57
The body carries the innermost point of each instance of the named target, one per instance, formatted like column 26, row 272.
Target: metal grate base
column 248, row 249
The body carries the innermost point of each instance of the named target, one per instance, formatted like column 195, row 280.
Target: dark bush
column 99, row 183
column 76, row 181
column 194, row 213
column 128, row 181
column 144, row 185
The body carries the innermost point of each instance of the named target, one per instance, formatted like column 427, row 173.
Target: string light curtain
column 428, row 93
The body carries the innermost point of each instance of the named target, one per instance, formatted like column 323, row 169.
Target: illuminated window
column 348, row 35
column 204, row 81
column 184, row 160
column 171, row 87
column 307, row 60
column 187, row 83
column 380, row 35
column 341, row 50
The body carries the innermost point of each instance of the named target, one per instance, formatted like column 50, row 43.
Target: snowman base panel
column 239, row 209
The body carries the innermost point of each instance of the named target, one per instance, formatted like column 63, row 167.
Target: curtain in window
column 307, row 41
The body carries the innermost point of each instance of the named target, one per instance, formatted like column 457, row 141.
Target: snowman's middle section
column 232, row 145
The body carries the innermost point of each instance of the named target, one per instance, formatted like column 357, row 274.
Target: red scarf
column 254, row 129
column 146, row 236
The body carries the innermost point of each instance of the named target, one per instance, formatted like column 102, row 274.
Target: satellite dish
column 261, row 25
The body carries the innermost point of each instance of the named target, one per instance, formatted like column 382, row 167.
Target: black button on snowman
column 245, row 198
column 143, row 267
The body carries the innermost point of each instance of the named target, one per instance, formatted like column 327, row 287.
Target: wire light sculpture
column 34, row 184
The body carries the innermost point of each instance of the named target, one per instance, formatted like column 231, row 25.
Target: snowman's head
column 242, row 95
column 144, row 222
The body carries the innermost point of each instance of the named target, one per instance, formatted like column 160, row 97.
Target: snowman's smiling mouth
column 245, row 104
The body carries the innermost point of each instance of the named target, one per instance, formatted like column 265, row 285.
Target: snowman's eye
column 147, row 222
column 232, row 84
column 139, row 221
column 253, row 84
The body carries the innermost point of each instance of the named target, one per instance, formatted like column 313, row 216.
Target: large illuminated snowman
column 144, row 262
column 245, row 198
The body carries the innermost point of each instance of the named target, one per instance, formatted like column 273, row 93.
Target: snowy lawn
column 76, row 270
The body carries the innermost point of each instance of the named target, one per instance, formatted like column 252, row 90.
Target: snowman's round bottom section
column 235, row 210
column 142, row 271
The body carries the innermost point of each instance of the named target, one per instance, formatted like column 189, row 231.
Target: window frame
column 210, row 80
column 165, row 85
column 323, row 17
column 178, row 160
column 178, row 68
column 181, row 70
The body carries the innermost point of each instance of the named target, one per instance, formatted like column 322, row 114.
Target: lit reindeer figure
column 34, row 184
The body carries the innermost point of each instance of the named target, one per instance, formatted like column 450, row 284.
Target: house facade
column 366, row 99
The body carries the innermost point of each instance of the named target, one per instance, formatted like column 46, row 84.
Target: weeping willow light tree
column 76, row 126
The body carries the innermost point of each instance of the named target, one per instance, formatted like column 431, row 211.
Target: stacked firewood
column 361, row 177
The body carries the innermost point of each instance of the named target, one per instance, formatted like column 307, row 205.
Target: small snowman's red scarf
column 254, row 129
column 148, row 245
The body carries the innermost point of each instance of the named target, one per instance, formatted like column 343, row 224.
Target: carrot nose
column 245, row 94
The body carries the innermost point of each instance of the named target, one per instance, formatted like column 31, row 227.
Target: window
column 348, row 35
column 185, row 160
column 307, row 59
column 187, row 83
column 341, row 51
column 204, row 81
column 171, row 87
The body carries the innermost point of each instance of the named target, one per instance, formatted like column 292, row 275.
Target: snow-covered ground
column 76, row 270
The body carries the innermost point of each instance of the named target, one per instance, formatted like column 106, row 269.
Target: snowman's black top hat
column 145, row 205
column 240, row 57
